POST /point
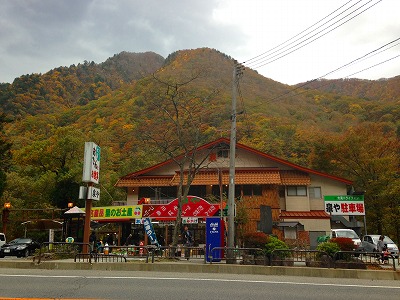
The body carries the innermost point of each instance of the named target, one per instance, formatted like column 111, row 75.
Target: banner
column 148, row 227
column 192, row 206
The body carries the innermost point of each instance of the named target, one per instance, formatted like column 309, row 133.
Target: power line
column 366, row 56
column 309, row 82
column 256, row 58
column 301, row 45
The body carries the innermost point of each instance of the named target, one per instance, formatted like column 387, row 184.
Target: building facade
column 276, row 196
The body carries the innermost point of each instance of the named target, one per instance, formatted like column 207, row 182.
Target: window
column 281, row 192
column 296, row 191
column 247, row 190
column 252, row 190
column 224, row 153
column 315, row 192
column 257, row 190
column 157, row 193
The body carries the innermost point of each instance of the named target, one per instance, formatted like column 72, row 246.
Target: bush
column 329, row 247
column 345, row 244
column 255, row 240
column 274, row 243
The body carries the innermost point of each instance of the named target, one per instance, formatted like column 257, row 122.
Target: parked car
column 2, row 239
column 370, row 241
column 347, row 233
column 21, row 247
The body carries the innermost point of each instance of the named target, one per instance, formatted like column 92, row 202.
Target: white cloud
column 39, row 35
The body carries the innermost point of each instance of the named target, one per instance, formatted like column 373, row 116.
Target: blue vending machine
column 215, row 237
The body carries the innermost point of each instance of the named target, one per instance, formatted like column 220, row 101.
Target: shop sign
column 93, row 193
column 346, row 205
column 215, row 235
column 116, row 212
column 91, row 163
column 190, row 220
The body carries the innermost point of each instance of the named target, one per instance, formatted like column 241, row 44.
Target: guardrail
column 99, row 257
column 353, row 258
column 117, row 253
column 294, row 257
column 233, row 255
column 180, row 252
column 61, row 250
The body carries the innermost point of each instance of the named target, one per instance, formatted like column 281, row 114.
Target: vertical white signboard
column 91, row 163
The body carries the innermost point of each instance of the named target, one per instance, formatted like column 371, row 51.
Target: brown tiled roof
column 210, row 177
column 314, row 214
column 248, row 176
column 244, row 148
column 294, row 178
column 145, row 181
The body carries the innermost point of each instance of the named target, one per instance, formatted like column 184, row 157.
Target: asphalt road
column 83, row 284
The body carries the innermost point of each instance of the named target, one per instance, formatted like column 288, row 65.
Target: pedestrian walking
column 187, row 241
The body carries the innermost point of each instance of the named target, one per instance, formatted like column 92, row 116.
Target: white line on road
column 205, row 279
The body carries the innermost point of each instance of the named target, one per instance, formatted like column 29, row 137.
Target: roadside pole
column 237, row 70
column 91, row 174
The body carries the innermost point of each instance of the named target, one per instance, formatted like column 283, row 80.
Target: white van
column 347, row 233
column 2, row 239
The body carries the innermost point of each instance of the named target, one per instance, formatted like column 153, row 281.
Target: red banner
column 192, row 207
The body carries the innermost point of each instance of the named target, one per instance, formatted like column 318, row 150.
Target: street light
column 6, row 213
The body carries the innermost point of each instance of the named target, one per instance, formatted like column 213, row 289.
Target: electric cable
column 308, row 82
column 263, row 63
column 250, row 61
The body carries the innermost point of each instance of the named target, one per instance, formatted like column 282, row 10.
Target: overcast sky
column 39, row 35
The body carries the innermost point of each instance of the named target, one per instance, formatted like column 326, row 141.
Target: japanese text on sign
column 91, row 164
column 116, row 212
column 148, row 228
column 94, row 193
column 345, row 205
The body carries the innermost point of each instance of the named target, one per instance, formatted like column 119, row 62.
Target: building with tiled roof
column 278, row 196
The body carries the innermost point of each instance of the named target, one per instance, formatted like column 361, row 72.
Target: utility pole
column 237, row 71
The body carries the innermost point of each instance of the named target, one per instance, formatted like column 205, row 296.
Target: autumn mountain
column 349, row 128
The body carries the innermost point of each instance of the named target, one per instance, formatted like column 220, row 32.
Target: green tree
column 368, row 154
column 5, row 155
column 54, row 165
column 173, row 122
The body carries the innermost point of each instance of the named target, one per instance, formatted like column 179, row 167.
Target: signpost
column 91, row 175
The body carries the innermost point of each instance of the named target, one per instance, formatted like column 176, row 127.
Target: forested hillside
column 348, row 128
column 65, row 87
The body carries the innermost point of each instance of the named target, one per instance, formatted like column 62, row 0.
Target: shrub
column 255, row 240
column 274, row 243
column 329, row 247
column 345, row 244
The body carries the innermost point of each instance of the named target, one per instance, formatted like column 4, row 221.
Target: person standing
column 380, row 245
column 129, row 240
column 92, row 241
column 187, row 241
column 110, row 241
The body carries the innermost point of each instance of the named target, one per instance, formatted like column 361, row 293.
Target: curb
column 208, row 268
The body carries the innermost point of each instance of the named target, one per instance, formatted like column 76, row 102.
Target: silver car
column 369, row 244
